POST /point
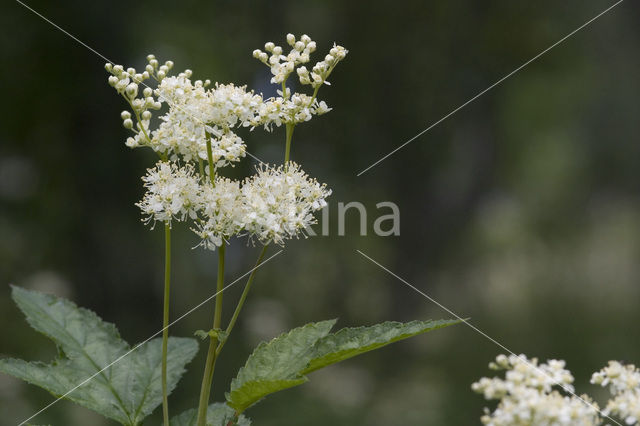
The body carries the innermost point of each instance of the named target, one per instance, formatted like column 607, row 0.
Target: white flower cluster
column 173, row 193
column 222, row 208
column 624, row 383
column 274, row 205
column 279, row 202
column 197, row 134
column 528, row 398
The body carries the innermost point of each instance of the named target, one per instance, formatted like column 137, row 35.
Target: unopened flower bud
column 291, row 39
column 256, row 53
column 269, row 46
column 113, row 80
column 128, row 123
column 108, row 66
column 161, row 75
column 131, row 71
column 117, row 69
column 299, row 46
column 125, row 114
column 131, row 90
column 154, row 63
column 148, row 91
column 305, row 39
column 169, row 64
column 150, row 57
column 146, row 115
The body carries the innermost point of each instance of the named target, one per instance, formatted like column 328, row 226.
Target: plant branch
column 207, row 378
column 243, row 297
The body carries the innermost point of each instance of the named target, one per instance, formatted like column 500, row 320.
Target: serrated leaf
column 276, row 365
column 218, row 414
column 126, row 391
column 349, row 342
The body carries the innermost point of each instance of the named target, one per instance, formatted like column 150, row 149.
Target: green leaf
column 276, row 365
column 126, row 391
column 218, row 414
column 350, row 342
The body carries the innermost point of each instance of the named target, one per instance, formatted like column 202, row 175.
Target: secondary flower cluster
column 529, row 396
column 624, row 384
column 196, row 137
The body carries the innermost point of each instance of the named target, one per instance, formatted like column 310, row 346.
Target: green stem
column 165, row 320
column 212, row 170
column 207, row 378
column 201, row 167
column 243, row 297
column 287, row 148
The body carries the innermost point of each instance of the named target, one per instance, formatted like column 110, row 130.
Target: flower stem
column 165, row 320
column 207, row 378
column 212, row 170
column 243, row 297
column 287, row 149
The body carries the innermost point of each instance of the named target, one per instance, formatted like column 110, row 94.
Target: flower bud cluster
column 528, row 398
column 282, row 66
column 321, row 70
column 127, row 83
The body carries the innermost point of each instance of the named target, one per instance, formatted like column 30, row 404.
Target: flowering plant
column 530, row 394
column 196, row 136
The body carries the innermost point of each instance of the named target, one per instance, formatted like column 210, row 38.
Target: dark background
column 521, row 211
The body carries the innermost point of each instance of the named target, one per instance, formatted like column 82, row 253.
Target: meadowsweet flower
column 528, row 396
column 221, row 207
column 172, row 193
column 624, row 384
column 296, row 109
column 196, row 114
column 279, row 203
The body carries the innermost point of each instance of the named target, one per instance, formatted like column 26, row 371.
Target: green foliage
column 350, row 342
column 276, row 365
column 127, row 391
column 218, row 414
column 283, row 362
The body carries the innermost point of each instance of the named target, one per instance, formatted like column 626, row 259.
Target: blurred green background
column 522, row 211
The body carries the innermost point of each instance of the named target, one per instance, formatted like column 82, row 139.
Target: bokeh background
column 522, row 211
